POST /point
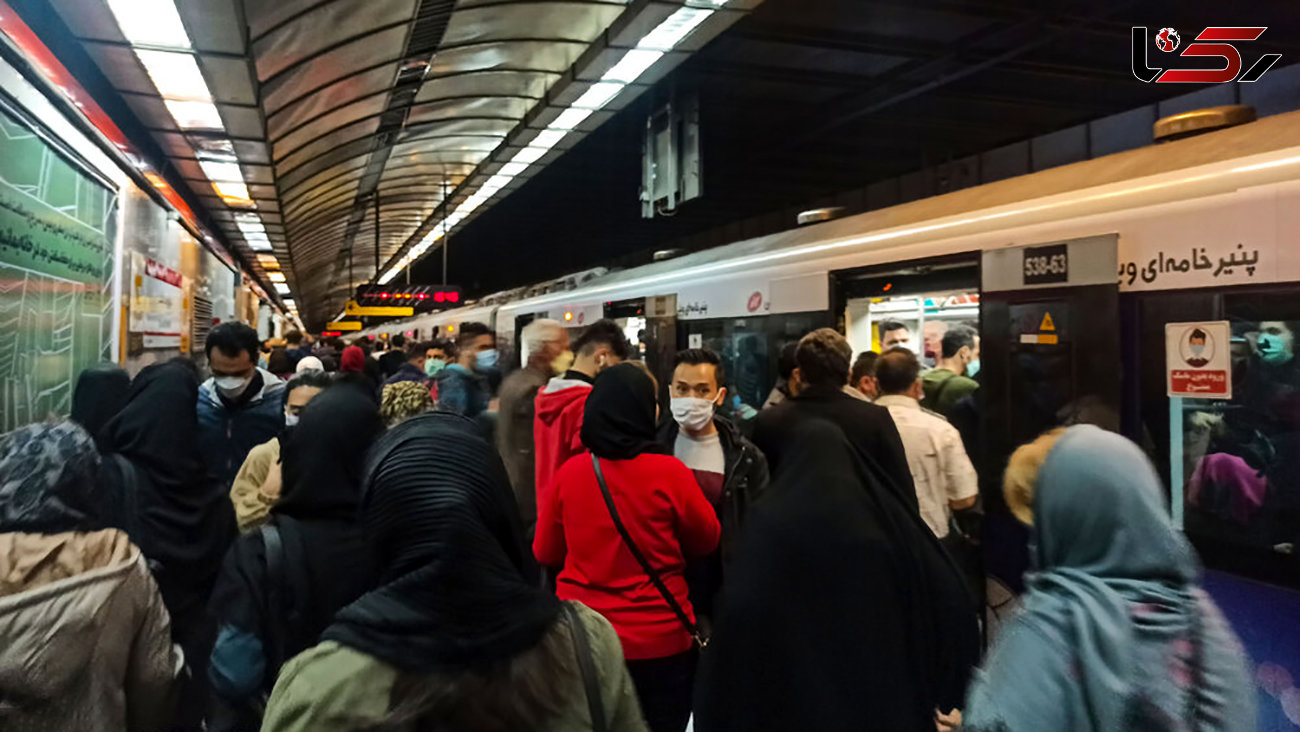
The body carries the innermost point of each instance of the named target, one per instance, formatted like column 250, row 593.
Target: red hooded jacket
column 557, row 424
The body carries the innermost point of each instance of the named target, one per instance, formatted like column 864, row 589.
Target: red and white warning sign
column 1198, row 360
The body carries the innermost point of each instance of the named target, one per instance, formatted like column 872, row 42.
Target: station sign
column 343, row 325
column 356, row 309
column 1198, row 359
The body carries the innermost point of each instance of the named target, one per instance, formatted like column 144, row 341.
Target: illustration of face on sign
column 1199, row 348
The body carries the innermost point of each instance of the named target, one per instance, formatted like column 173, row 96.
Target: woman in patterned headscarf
column 403, row 400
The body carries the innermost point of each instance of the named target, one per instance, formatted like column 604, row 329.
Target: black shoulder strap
column 650, row 571
column 275, row 609
column 587, row 666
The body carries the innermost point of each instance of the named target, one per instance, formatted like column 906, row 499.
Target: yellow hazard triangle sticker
column 1047, row 322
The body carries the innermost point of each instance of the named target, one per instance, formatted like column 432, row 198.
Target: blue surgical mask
column 1271, row 349
column 433, row 365
column 486, row 360
column 1196, row 348
column 973, row 368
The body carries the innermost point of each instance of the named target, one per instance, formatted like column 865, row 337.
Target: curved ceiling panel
column 527, row 55
column 338, row 24
column 366, row 52
column 326, row 106
column 531, row 84
column 505, row 21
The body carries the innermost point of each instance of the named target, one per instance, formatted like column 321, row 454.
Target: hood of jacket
column 558, row 396
column 272, row 386
column 59, row 610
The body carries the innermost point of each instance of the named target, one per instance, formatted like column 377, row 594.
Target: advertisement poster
column 57, row 227
column 157, row 303
column 1197, row 359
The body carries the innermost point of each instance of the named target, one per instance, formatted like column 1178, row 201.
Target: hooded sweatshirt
column 558, row 424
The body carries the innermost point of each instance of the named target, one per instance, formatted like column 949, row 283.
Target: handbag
column 700, row 639
column 587, row 667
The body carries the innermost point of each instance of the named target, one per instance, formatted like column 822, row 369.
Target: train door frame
column 1032, row 329
column 930, row 274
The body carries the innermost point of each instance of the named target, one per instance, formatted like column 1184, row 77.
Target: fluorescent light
column 150, row 22
column 598, row 95
column 276, row 276
column 632, row 65
column 194, row 115
column 674, row 29
column 260, row 246
column 569, row 119
column 513, row 168
column 268, row 261
column 176, row 75
column 548, row 138
column 529, row 155
column 221, row 172
column 231, row 189
column 281, row 288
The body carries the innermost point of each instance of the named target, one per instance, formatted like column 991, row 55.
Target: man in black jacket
column 392, row 361
column 731, row 471
column 822, row 370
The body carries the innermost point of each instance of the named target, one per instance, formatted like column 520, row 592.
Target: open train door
column 1050, row 350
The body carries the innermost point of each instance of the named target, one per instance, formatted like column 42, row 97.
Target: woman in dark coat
column 841, row 611
column 182, row 521
column 268, row 614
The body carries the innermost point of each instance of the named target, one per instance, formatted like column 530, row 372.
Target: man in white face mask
column 731, row 471
column 240, row 407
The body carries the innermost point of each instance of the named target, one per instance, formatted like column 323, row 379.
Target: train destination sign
column 1198, row 360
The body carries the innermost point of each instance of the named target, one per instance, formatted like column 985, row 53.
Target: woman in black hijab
column 459, row 634
column 100, row 394
column 664, row 512
column 841, row 610
column 181, row 520
column 281, row 586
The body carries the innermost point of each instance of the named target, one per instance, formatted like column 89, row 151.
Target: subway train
column 1071, row 276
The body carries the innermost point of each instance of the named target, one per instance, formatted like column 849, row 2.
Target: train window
column 1237, row 461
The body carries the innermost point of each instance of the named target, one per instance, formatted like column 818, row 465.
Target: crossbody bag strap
column 587, row 666
column 274, row 545
column 650, row 571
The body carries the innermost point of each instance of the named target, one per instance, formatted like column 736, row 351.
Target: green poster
column 56, row 273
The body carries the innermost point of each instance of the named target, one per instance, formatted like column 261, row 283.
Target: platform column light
column 634, row 62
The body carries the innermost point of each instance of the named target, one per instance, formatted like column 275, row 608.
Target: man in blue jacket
column 240, row 407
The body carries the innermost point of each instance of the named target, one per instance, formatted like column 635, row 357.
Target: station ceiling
column 295, row 122
column 512, row 128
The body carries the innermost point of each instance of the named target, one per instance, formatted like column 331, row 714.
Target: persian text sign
column 1197, row 359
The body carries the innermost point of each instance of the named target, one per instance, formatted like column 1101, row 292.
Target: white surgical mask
column 691, row 413
column 231, row 387
column 290, row 420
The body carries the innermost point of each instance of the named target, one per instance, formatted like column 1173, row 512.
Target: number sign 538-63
column 1046, row 265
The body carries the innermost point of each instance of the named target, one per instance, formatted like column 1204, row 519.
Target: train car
column 1071, row 276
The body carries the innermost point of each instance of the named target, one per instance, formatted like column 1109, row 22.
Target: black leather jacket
column 745, row 480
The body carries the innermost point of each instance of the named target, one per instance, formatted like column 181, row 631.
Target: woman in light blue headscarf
column 1115, row 634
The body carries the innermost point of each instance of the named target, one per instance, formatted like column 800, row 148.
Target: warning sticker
column 1047, row 323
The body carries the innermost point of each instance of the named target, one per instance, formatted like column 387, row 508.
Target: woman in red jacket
column 665, row 514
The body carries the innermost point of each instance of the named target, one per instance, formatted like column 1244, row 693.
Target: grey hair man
column 545, row 345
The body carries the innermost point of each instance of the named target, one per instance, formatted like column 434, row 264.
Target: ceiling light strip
column 158, row 38
column 634, row 62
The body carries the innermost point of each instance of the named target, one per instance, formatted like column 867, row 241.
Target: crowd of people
column 321, row 538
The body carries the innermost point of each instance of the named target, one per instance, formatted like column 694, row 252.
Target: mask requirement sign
column 1198, row 360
